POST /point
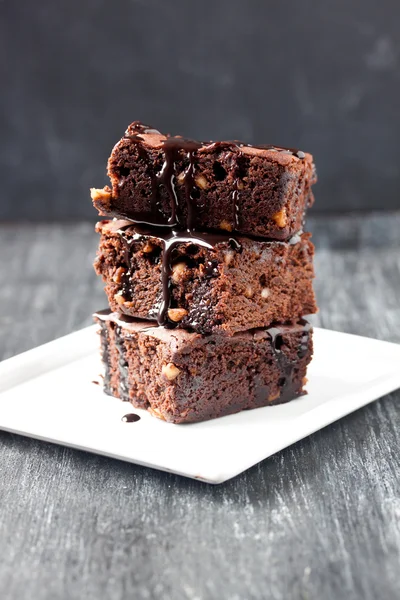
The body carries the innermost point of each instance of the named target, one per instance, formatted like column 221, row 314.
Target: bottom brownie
column 183, row 377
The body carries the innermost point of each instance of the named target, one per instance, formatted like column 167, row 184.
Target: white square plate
column 48, row 393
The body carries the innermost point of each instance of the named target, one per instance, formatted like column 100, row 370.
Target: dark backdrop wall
column 323, row 75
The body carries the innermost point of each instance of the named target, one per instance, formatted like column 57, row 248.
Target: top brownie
column 188, row 185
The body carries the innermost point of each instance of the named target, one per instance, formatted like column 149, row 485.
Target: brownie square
column 232, row 186
column 184, row 377
column 205, row 283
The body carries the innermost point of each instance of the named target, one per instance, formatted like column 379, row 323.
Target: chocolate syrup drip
column 236, row 204
column 285, row 365
column 130, row 418
column 105, row 341
column 236, row 194
column 173, row 146
column 170, row 240
column 122, row 365
column 211, row 268
column 303, row 349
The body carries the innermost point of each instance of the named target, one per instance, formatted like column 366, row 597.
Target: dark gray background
column 323, row 76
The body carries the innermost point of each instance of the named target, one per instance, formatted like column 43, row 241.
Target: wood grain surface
column 319, row 520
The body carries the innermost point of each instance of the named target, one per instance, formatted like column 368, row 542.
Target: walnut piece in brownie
column 190, row 185
column 184, row 377
column 207, row 283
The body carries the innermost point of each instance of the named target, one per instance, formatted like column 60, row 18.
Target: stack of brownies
column 208, row 274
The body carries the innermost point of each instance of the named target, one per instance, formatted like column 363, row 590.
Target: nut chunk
column 182, row 377
column 170, row 371
column 102, row 199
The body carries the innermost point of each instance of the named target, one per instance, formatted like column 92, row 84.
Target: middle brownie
column 205, row 282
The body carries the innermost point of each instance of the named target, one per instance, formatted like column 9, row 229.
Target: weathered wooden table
column 319, row 520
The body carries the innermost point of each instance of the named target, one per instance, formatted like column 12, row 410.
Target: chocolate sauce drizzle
column 172, row 147
column 166, row 177
column 175, row 231
column 170, row 239
column 130, row 418
column 286, row 367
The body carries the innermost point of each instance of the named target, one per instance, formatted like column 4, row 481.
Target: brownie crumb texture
column 222, row 186
column 219, row 289
column 184, row 377
column 208, row 274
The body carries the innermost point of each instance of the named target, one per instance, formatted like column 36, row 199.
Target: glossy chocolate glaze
column 130, row 418
column 170, row 239
column 286, row 366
